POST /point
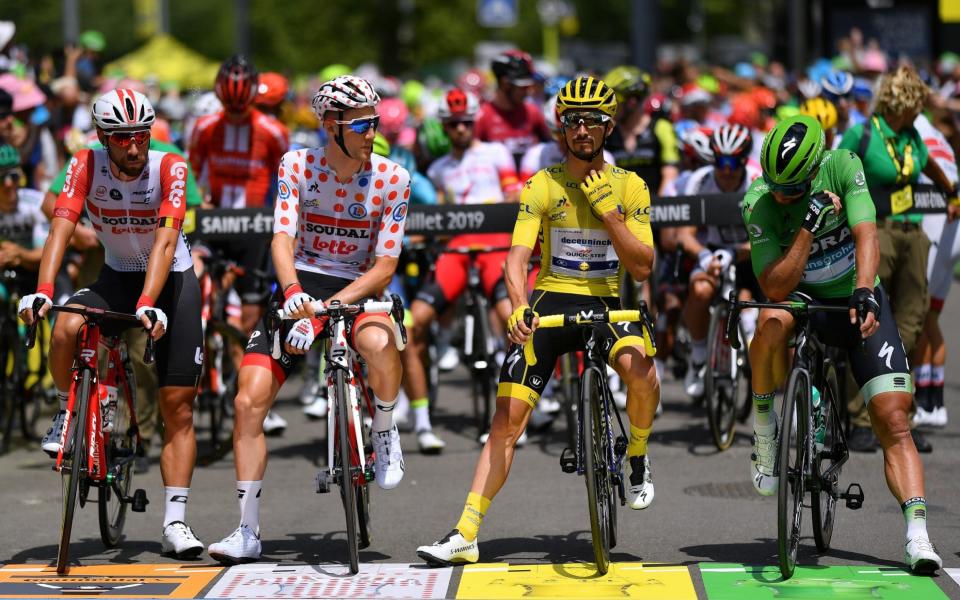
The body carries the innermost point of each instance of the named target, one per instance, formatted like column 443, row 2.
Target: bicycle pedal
column 139, row 501
column 323, row 479
column 853, row 496
column 568, row 461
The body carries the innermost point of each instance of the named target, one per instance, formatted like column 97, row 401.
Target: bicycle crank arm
column 324, row 479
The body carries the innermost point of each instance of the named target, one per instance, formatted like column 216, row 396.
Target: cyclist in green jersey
column 812, row 228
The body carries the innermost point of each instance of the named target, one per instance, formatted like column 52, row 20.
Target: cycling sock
column 472, row 517
column 936, row 386
column 421, row 413
column 698, row 351
column 915, row 513
column 175, row 503
column 762, row 409
column 248, row 492
column 921, row 380
column 383, row 413
column 638, row 441
column 63, row 397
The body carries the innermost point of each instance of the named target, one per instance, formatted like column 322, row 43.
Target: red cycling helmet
column 236, row 84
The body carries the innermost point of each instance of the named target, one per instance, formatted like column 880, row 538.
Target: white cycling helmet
column 123, row 108
column 458, row 104
column 809, row 88
column 206, row 104
column 343, row 93
column 550, row 114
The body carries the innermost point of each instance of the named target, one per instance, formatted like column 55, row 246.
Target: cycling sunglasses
column 793, row 189
column 11, row 176
column 729, row 163
column 124, row 138
column 360, row 125
column 454, row 123
column 590, row 120
column 835, row 98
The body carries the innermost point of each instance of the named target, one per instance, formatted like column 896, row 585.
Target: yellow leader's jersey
column 578, row 256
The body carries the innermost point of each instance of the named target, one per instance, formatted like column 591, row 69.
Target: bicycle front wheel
column 343, row 462
column 72, row 473
column 793, row 465
column 823, row 498
column 721, row 380
column 363, row 490
column 595, row 468
column 121, row 447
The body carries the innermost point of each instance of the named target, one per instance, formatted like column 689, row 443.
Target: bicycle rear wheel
column 595, row 469
column 71, row 475
column 721, row 381
column 121, row 447
column 792, row 464
column 823, row 498
column 342, row 462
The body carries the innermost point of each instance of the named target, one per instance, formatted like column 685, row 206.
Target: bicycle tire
column 220, row 401
column 363, row 491
column 824, row 502
column 595, row 471
column 792, row 470
column 120, row 446
column 720, row 385
column 347, row 490
column 70, row 483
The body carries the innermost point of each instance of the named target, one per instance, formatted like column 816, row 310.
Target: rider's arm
column 173, row 207
column 780, row 277
column 507, row 171
column 777, row 272
column 631, row 234
column 199, row 151
column 526, row 231
column 688, row 237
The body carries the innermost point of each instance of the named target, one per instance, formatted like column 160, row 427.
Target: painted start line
column 492, row 581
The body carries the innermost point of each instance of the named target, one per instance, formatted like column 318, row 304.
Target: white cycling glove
column 301, row 335
column 27, row 301
column 705, row 258
column 725, row 257
column 161, row 317
column 294, row 299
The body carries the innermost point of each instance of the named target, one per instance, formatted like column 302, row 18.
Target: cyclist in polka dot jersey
column 339, row 218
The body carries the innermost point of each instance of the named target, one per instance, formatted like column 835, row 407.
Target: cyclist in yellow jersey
column 593, row 222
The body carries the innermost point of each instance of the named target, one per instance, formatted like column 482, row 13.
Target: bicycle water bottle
column 108, row 406
column 819, row 420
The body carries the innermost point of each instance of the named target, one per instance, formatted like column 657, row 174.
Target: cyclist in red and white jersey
column 338, row 221
column 474, row 172
column 715, row 247
column 135, row 200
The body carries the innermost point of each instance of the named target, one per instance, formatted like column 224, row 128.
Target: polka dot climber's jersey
column 340, row 227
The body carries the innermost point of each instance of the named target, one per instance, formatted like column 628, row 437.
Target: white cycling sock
column 383, row 413
column 175, row 504
column 421, row 415
column 248, row 492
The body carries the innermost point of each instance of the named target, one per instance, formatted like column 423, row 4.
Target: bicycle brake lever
column 733, row 320
column 31, row 340
column 149, row 353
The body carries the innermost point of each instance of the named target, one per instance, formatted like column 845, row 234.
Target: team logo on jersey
column 101, row 191
column 755, row 230
column 283, row 190
column 357, row 210
column 859, row 179
column 536, row 381
column 400, row 212
column 115, row 194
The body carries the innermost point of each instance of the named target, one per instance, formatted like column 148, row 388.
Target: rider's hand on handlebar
column 517, row 329
column 865, row 309
column 297, row 304
column 159, row 325
column 25, row 309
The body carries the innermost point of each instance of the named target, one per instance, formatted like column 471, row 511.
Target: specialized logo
column 512, row 361
column 886, row 352
column 788, row 146
column 198, row 356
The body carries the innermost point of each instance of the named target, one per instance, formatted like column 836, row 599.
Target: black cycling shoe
column 862, row 439
column 921, row 442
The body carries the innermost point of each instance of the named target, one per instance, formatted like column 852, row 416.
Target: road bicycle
column 812, row 447
column 97, row 450
column 599, row 452
column 350, row 457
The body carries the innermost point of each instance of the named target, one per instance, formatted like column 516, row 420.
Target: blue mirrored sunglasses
column 360, row 125
column 729, row 163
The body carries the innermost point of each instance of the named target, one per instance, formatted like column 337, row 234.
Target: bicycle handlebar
column 795, row 307
column 640, row 315
column 393, row 307
column 97, row 314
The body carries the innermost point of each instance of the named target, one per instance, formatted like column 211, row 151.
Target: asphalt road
column 705, row 508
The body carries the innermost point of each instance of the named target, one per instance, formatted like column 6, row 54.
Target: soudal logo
column 338, row 247
column 128, row 221
column 339, row 231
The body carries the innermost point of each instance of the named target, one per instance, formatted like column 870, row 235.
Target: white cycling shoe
column 693, row 380
column 921, row 556
column 316, row 409
column 51, row 440
column 640, row 494
column 274, row 424
column 241, row 546
column 453, row 549
column 763, row 458
column 179, row 541
column 429, row 442
column 388, row 465
column 925, row 417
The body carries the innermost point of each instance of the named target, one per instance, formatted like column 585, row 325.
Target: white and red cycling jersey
column 340, row 227
column 126, row 214
column 237, row 161
column 483, row 175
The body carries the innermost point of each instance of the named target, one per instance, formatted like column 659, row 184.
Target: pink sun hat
column 26, row 94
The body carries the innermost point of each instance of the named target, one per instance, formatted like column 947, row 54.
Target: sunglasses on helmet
column 792, row 189
column 360, row 125
column 125, row 138
column 590, row 120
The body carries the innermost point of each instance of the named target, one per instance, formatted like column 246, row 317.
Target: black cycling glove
column 818, row 210
column 865, row 302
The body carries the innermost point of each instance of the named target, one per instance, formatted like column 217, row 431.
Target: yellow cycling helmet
column 822, row 110
column 587, row 93
column 628, row 81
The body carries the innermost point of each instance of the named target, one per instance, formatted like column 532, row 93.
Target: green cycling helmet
column 381, row 146
column 432, row 139
column 792, row 150
column 9, row 157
